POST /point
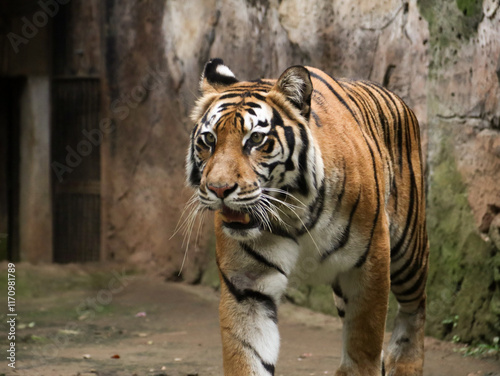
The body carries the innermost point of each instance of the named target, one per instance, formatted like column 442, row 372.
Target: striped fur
column 312, row 178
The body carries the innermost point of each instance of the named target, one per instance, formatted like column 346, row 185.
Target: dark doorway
column 75, row 141
column 10, row 125
column 76, row 179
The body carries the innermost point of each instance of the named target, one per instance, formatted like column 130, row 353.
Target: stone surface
column 442, row 58
column 463, row 166
column 35, row 214
column 143, row 157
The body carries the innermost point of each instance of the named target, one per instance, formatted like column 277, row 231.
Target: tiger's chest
column 314, row 257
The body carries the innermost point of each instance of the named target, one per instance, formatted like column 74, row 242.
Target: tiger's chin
column 241, row 234
column 239, row 225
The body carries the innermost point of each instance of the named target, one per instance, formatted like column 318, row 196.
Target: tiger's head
column 250, row 150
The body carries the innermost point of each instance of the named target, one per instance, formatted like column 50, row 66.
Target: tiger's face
column 246, row 151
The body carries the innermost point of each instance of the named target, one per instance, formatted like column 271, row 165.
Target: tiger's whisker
column 271, row 208
column 286, row 193
column 286, row 204
column 188, row 231
column 292, row 210
column 182, row 221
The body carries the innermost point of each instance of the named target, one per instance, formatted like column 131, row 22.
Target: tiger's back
column 311, row 176
column 390, row 130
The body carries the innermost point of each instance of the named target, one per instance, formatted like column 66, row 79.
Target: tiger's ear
column 216, row 76
column 295, row 84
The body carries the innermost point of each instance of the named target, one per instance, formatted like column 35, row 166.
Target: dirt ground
column 73, row 321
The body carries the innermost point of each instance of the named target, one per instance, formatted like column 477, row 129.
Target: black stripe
column 271, row 166
column 290, row 140
column 276, row 120
column 268, row 367
column 419, row 284
column 316, row 119
column 415, row 287
column 410, row 260
column 342, row 190
column 195, row 175
column 396, row 115
column 364, row 256
column 341, row 100
column 411, row 300
column 346, row 232
column 396, row 249
column 413, row 258
column 260, row 123
column 258, row 96
column 301, row 181
column 382, row 117
column 338, row 291
column 363, row 114
column 239, row 117
column 253, row 105
column 224, row 106
column 411, row 216
column 417, row 266
column 282, row 232
column 203, row 120
column 247, row 294
column 229, row 95
column 315, row 209
column 258, row 257
column 262, row 177
column 397, row 123
column 246, row 199
column 373, row 116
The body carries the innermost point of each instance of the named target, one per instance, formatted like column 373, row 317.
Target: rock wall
column 143, row 153
column 442, row 59
column 464, row 167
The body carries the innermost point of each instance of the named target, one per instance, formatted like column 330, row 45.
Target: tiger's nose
column 222, row 191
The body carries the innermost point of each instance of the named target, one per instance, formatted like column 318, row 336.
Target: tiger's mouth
column 237, row 220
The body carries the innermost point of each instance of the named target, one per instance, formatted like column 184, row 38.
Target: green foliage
column 483, row 349
column 451, row 321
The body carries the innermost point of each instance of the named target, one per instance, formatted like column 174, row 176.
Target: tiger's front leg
column 252, row 284
column 250, row 338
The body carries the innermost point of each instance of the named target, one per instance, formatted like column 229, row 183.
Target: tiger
column 322, row 178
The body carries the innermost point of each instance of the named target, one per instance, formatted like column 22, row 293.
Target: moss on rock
column 318, row 298
column 450, row 23
column 462, row 271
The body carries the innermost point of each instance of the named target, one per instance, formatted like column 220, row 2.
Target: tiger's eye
column 257, row 137
column 209, row 138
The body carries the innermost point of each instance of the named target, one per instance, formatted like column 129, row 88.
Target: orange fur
column 354, row 159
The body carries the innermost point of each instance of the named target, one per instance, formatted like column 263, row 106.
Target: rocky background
column 441, row 57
